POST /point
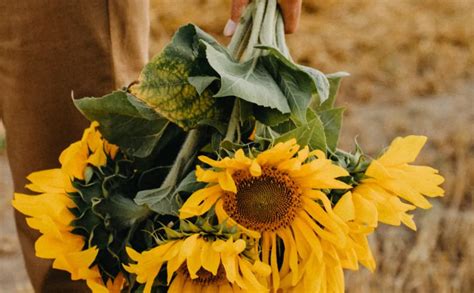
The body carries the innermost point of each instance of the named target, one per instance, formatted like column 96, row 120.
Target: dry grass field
column 412, row 72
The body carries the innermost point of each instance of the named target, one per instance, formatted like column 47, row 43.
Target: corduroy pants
column 48, row 49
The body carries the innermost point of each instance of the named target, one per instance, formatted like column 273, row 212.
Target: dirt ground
column 412, row 65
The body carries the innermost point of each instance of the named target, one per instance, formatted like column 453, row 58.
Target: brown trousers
column 49, row 48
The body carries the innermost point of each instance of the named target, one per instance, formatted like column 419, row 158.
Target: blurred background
column 412, row 72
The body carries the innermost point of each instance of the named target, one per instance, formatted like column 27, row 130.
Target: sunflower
column 391, row 178
column 200, row 264
column 277, row 196
column 50, row 211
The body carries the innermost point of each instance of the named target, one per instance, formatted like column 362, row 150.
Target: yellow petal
column 408, row 221
column 249, row 276
column 290, row 249
column 210, row 258
column 188, row 245
column 324, row 219
column 255, row 169
column 211, row 162
column 345, row 207
column 195, row 203
column 365, row 210
column 241, row 158
column 193, row 261
column 98, row 157
column 274, row 263
column 132, row 253
column 206, row 175
column 300, row 227
column 227, row 182
column 74, row 160
column 403, row 150
column 49, row 181
column 303, row 154
column 175, row 262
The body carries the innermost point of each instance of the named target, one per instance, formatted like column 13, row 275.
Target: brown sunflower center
column 205, row 277
column 264, row 203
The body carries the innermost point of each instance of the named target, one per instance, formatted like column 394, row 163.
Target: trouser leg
column 48, row 49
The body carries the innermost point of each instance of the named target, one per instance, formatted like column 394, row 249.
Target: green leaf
column 296, row 84
column 269, row 116
column 265, row 133
column 189, row 184
column 123, row 212
column 221, row 127
column 122, row 124
column 201, row 83
column 246, row 111
column 321, row 82
column 332, row 122
column 164, row 84
column 311, row 134
column 160, row 200
column 143, row 109
column 334, row 81
column 249, row 81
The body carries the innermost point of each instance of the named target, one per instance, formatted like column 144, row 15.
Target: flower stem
column 186, row 152
column 240, row 37
column 256, row 26
column 267, row 31
column 233, row 122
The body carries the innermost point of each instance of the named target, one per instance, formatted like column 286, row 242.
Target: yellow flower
column 49, row 213
column 91, row 149
column 200, row 265
column 277, row 196
column 390, row 178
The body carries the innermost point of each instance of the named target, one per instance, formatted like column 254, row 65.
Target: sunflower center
column 205, row 277
column 264, row 203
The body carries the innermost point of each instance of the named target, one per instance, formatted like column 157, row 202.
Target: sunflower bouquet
column 219, row 171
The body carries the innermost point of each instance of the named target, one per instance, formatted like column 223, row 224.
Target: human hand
column 291, row 10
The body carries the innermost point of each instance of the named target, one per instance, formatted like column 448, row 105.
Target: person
column 49, row 49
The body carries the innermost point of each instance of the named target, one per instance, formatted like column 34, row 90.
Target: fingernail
column 229, row 28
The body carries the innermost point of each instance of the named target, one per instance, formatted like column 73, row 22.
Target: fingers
column 291, row 10
column 237, row 8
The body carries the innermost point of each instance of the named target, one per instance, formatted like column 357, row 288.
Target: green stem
column 233, row 122
column 242, row 30
column 185, row 153
column 256, row 26
column 267, row 31
column 243, row 45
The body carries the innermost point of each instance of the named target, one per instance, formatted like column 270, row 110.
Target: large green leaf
column 296, row 84
column 122, row 124
column 332, row 122
column 249, row 81
column 164, row 84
